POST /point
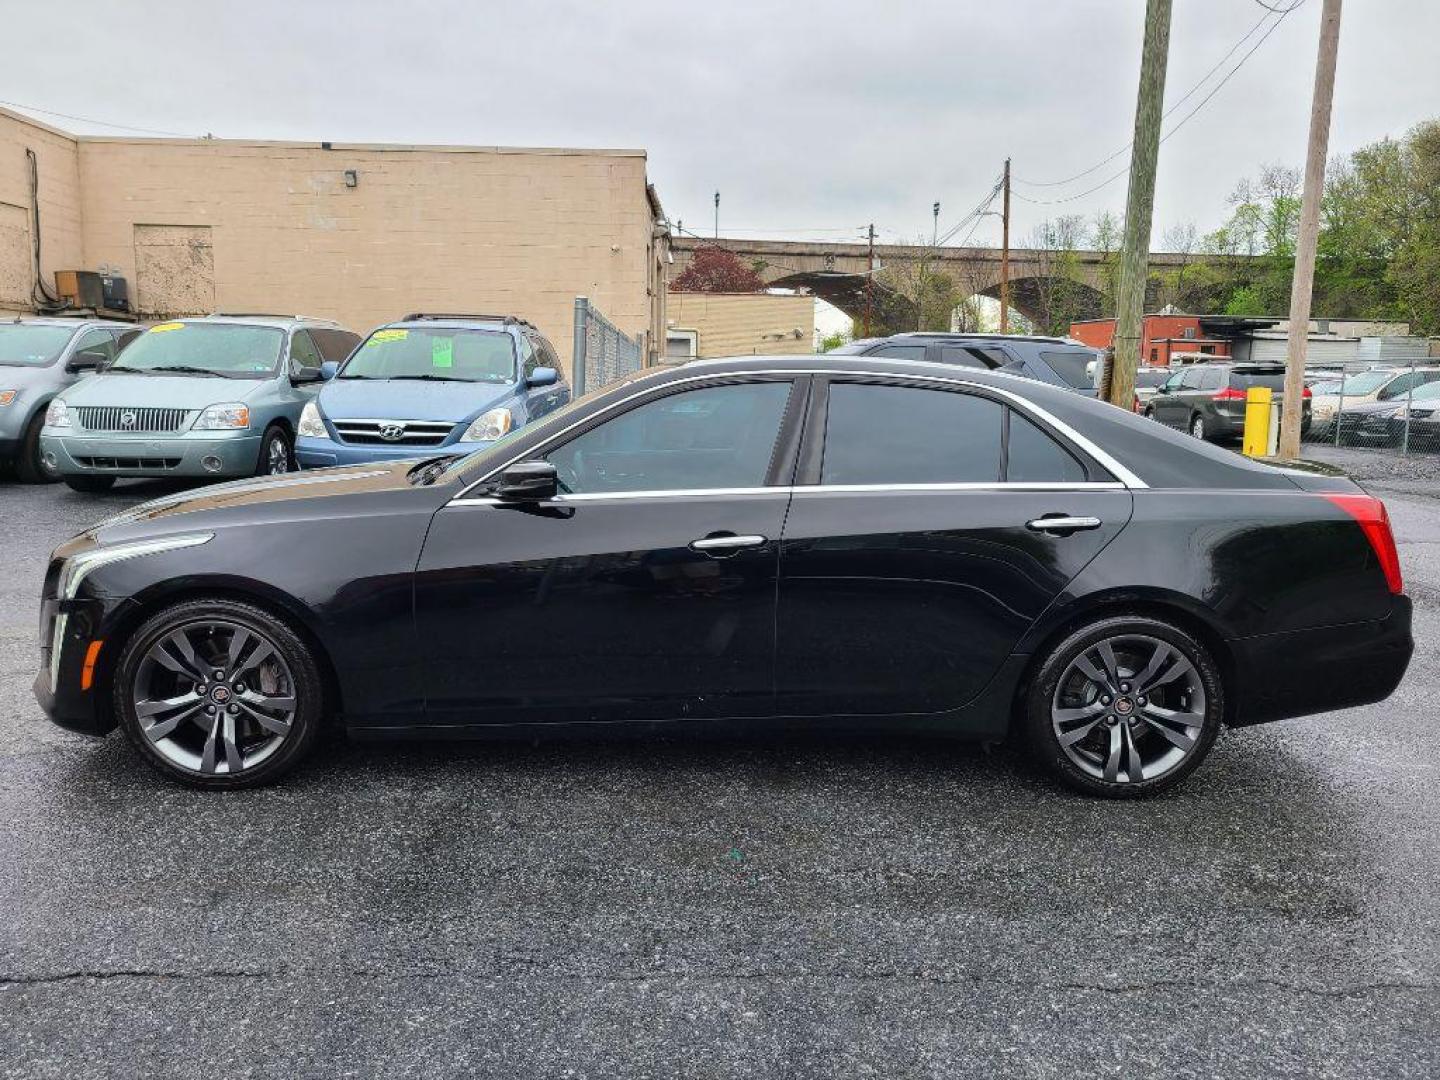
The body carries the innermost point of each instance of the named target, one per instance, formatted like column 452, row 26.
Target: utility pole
column 1005, row 256
column 1309, row 232
column 1139, row 203
column 870, row 282
column 924, row 266
column 717, row 215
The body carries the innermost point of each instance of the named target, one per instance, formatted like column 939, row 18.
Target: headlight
column 7, row 396
column 311, row 426
column 78, row 567
column 57, row 415
column 230, row 415
column 489, row 426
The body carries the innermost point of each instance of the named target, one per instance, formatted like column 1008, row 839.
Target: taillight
column 1306, row 392
column 1230, row 394
column 1135, row 404
column 1369, row 513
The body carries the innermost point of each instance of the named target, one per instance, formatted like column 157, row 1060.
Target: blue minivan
column 430, row 385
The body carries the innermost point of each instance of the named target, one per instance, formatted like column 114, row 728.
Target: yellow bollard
column 1257, row 421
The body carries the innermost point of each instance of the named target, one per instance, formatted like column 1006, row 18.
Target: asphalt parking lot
column 664, row 908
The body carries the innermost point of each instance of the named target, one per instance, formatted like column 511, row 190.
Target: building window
column 681, row 345
column 1154, row 356
column 1208, row 350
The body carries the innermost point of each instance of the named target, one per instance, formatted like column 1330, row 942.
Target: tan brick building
column 739, row 324
column 357, row 233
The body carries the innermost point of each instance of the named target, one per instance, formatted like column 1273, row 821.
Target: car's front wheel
column 1197, row 427
column 218, row 694
column 276, row 456
column 1125, row 706
column 29, row 464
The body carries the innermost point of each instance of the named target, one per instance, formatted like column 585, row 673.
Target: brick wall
column 742, row 324
column 57, row 159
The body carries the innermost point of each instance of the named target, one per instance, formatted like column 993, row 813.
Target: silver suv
column 39, row 357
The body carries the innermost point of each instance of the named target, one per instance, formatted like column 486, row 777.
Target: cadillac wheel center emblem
column 127, row 419
column 392, row 432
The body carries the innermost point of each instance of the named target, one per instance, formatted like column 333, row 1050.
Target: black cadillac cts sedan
column 772, row 542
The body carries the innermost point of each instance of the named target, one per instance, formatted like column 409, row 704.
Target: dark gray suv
column 1054, row 360
column 1208, row 400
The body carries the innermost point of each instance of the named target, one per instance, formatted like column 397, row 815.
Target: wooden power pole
column 870, row 282
column 1139, row 203
column 1309, row 232
column 1005, row 256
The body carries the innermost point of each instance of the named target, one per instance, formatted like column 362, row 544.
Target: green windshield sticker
column 442, row 352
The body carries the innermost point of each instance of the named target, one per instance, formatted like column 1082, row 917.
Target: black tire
column 1040, row 697
column 1197, row 427
column 275, row 446
column 91, row 485
column 1149, row 413
column 29, row 469
column 307, row 690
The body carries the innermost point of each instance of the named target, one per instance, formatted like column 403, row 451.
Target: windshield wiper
column 355, row 376
column 429, row 377
column 182, row 369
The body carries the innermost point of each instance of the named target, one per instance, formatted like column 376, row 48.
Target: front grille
column 126, row 419
column 129, row 462
column 411, row 432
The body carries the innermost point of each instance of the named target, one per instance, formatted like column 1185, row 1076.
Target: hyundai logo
column 392, row 432
column 127, row 419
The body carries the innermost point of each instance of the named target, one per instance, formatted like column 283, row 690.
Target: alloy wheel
column 277, row 456
column 1197, row 427
column 1128, row 708
column 214, row 698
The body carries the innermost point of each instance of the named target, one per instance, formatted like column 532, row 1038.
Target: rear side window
column 1072, row 365
column 334, row 344
column 900, row 352
column 1244, row 380
column 963, row 357
column 1034, row 457
column 906, row 435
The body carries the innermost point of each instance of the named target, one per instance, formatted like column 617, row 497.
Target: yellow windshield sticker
column 442, row 352
column 160, row 328
column 390, row 335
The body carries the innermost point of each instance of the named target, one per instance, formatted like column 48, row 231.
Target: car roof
column 61, row 320
column 945, row 335
column 460, row 321
column 245, row 318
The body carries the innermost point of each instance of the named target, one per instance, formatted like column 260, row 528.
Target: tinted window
column 1244, row 380
column 548, row 356
column 304, row 356
column 1150, row 378
column 901, row 352
column 1072, row 365
column 125, row 338
column 1034, row 457
column 716, row 437
column 97, row 341
column 334, row 344
column 1211, row 379
column 905, row 435
column 963, row 357
column 529, row 356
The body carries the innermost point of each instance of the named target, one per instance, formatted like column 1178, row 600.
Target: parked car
column 1384, row 423
column 39, row 357
column 431, row 384
column 1378, row 384
column 1208, row 400
column 209, row 397
column 1147, row 381
column 1054, row 360
column 769, row 542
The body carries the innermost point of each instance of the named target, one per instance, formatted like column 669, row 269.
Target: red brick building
column 1162, row 337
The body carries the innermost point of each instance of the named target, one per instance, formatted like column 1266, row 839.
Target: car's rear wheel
column 1124, row 707
column 1197, row 427
column 91, row 485
column 218, row 694
column 29, row 466
column 1149, row 413
column 276, row 456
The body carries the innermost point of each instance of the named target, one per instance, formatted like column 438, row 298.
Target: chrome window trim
column 803, row 489
column 1124, row 476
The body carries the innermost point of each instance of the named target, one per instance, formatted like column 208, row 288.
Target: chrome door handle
column 1063, row 524
column 720, row 546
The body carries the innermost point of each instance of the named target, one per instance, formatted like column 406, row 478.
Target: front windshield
column 450, row 355
column 1425, row 392
column 32, row 344
column 234, row 350
column 1364, row 383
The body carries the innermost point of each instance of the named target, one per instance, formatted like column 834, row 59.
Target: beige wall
column 57, row 158
column 741, row 324
column 265, row 226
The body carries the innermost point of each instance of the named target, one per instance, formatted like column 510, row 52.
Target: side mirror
column 543, row 376
column 528, row 481
column 88, row 360
column 328, row 370
column 305, row 375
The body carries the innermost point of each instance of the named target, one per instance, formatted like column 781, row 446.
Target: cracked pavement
column 666, row 907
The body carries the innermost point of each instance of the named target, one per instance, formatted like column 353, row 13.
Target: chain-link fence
column 1394, row 407
column 602, row 353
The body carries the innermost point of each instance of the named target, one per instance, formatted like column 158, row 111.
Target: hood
column 295, row 495
column 450, row 402
column 1366, row 408
column 22, row 378
column 160, row 391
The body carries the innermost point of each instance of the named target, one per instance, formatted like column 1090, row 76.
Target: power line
column 97, row 123
column 1282, row 12
column 1183, row 121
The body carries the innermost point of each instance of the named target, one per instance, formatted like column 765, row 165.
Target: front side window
column 907, row 435
column 30, row 345
column 232, row 350
column 304, row 356
column 442, row 354
column 713, row 437
column 100, row 342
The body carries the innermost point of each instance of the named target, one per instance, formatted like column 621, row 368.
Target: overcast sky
column 813, row 117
